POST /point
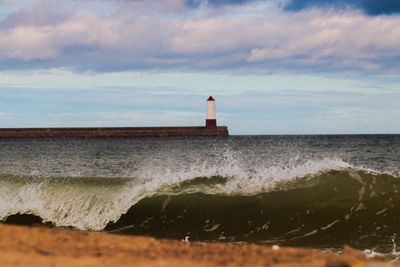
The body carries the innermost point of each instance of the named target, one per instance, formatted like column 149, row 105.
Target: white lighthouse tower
column 211, row 118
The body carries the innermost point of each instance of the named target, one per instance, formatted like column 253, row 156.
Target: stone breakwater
column 114, row 132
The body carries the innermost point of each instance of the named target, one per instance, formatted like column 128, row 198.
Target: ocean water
column 312, row 191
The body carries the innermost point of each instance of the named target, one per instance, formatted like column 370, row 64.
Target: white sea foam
column 91, row 205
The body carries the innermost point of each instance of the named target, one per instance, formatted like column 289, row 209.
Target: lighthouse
column 211, row 119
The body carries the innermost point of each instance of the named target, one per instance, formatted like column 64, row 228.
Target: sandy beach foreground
column 39, row 246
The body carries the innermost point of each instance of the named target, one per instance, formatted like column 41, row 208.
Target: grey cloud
column 246, row 37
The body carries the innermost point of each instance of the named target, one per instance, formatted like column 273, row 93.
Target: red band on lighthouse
column 211, row 119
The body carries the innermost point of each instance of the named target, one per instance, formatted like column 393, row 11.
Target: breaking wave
column 322, row 203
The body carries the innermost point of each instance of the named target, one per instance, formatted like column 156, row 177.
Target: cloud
column 356, row 120
column 370, row 7
column 216, row 2
column 245, row 36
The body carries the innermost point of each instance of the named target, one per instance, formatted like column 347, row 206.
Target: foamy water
column 300, row 187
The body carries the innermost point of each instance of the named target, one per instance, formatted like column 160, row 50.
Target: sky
column 274, row 66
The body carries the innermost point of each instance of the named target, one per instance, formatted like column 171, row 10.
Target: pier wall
column 114, row 132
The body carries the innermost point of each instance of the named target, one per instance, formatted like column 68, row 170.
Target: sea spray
column 90, row 203
column 319, row 191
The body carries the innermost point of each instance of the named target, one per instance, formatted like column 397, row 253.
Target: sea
column 317, row 191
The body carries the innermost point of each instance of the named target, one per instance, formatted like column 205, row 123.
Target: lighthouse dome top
column 211, row 99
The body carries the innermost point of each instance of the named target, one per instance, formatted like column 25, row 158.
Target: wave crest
column 93, row 203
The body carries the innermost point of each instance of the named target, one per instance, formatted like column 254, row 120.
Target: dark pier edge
column 114, row 132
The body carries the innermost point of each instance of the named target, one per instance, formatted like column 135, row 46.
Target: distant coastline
column 114, row 132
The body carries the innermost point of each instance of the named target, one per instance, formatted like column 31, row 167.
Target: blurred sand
column 39, row 246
